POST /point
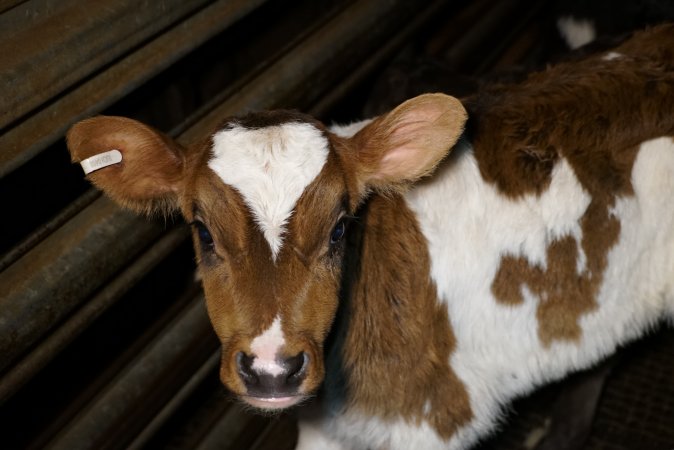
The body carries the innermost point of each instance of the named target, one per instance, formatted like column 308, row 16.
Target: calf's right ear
column 149, row 174
column 400, row 147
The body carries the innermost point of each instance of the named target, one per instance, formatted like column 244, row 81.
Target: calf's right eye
column 204, row 235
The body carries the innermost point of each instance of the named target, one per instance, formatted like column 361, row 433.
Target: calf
column 542, row 241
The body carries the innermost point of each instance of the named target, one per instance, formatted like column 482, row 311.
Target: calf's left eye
column 338, row 232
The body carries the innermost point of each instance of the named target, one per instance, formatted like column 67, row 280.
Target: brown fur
column 565, row 295
column 399, row 339
column 586, row 111
column 594, row 113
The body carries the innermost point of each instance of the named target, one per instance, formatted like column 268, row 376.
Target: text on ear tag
column 101, row 160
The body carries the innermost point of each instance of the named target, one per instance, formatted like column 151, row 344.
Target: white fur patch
column 266, row 346
column 350, row 129
column 610, row 56
column 576, row 32
column 270, row 167
column 359, row 431
column 313, row 437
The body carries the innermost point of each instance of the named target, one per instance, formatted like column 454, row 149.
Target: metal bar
column 47, row 125
column 9, row 4
column 522, row 47
column 52, row 279
column 303, row 75
column 210, row 366
column 71, row 43
column 280, row 434
column 26, row 368
column 462, row 50
column 227, row 430
column 22, row 14
column 286, row 48
column 458, row 25
column 354, row 78
column 52, row 225
column 98, row 425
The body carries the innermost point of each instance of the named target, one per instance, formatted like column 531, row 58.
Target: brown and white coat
column 540, row 243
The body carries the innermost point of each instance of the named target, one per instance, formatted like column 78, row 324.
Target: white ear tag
column 101, row 160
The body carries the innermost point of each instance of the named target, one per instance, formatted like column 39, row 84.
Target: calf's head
column 268, row 197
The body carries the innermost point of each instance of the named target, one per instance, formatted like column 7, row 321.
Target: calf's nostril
column 296, row 366
column 244, row 364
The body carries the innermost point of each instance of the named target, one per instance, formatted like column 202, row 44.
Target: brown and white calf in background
column 542, row 241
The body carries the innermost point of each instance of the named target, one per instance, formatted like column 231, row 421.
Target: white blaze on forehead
column 266, row 346
column 270, row 167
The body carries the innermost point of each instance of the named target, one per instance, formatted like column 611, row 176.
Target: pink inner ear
column 406, row 163
column 403, row 162
column 412, row 139
column 410, row 155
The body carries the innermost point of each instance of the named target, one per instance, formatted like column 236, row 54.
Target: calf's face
column 268, row 197
column 269, row 209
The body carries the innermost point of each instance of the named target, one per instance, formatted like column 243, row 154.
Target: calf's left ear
column 406, row 144
column 137, row 166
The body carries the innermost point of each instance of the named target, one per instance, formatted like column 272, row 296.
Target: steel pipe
column 207, row 368
column 48, row 282
column 46, row 229
column 188, row 337
column 318, row 63
column 49, row 348
column 353, row 79
column 43, row 58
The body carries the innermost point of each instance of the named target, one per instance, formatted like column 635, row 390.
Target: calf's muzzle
column 273, row 384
